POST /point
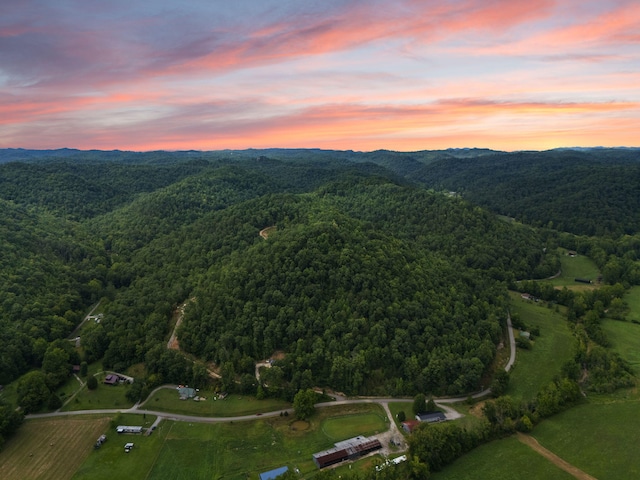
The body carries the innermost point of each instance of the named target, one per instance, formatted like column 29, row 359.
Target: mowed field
column 599, row 437
column 576, row 267
column 229, row 450
column 505, row 459
column 52, row 449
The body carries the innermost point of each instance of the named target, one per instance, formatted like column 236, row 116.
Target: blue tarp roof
column 273, row 473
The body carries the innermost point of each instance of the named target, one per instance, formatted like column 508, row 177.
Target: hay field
column 50, row 449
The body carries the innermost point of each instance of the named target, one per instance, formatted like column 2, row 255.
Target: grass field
column 347, row 426
column 505, row 459
column 632, row 298
column 50, row 448
column 598, row 437
column 536, row 367
column 625, row 339
column 232, row 450
column 105, row 396
column 576, row 267
column 167, row 400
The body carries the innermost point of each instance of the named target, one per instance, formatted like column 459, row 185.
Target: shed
column 271, row 474
column 410, row 425
column 111, row 379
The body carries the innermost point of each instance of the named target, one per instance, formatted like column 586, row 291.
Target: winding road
column 443, row 403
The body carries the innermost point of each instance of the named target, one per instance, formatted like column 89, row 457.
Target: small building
column 526, row 335
column 271, row 474
column 111, row 379
column 410, row 425
column 431, row 417
column 76, row 369
column 128, row 429
column 583, row 280
column 346, row 450
column 128, row 447
column 186, row 392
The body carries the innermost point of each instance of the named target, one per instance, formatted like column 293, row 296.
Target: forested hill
column 368, row 286
column 592, row 192
column 370, row 282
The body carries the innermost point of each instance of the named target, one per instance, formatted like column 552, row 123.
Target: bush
column 92, row 383
column 401, row 416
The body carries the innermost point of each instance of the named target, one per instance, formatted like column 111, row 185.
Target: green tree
column 54, row 402
column 32, row 391
column 401, row 416
column 56, row 366
column 303, row 404
column 83, row 369
column 419, row 404
column 92, row 383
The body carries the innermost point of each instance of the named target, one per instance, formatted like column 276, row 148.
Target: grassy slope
column 597, row 437
column 506, row 459
column 575, row 267
column 536, row 367
column 625, row 339
column 633, row 300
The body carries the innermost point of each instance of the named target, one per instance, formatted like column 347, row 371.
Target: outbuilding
column 431, row 417
column 271, row 474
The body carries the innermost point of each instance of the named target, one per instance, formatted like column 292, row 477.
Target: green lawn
column 167, row 400
column 536, row 367
column 505, row 459
column 632, row 297
column 625, row 339
column 575, row 267
column 105, row 396
column 598, row 437
column 231, row 450
column 347, row 426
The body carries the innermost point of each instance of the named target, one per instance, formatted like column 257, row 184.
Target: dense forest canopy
column 369, row 283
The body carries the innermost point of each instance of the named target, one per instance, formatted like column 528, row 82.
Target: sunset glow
column 339, row 74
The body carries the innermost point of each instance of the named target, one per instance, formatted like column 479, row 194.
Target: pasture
column 51, row 448
column 575, row 267
column 625, row 340
column 167, row 400
column 229, row 450
column 505, row 459
column 554, row 346
column 632, row 297
column 598, row 437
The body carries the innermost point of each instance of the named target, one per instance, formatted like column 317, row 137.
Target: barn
column 346, row 450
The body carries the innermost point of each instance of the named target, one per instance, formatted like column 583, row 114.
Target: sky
column 401, row 75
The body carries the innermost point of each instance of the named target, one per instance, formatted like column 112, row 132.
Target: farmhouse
column 271, row 474
column 128, row 429
column 346, row 450
column 111, row 379
column 431, row 417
